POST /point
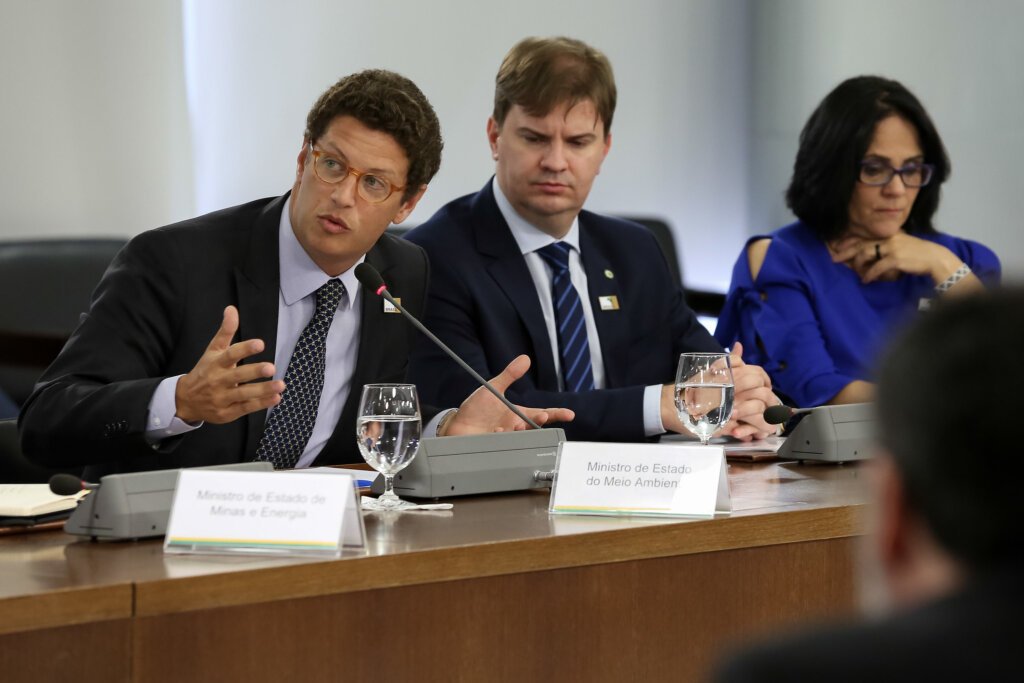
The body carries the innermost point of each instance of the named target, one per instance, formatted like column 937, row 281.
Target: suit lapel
column 508, row 268
column 612, row 326
column 258, row 284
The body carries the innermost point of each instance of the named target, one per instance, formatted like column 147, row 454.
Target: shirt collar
column 300, row 277
column 528, row 237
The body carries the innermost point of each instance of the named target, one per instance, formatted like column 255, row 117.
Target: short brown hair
column 385, row 101
column 539, row 74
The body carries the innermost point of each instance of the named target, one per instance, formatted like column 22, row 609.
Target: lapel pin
column 609, row 303
column 609, row 274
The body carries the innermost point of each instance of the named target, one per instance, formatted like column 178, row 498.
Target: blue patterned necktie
column 290, row 424
column 573, row 345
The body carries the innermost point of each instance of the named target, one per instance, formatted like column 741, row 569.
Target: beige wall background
column 121, row 116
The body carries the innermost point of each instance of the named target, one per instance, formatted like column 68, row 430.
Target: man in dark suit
column 606, row 345
column 945, row 553
column 140, row 385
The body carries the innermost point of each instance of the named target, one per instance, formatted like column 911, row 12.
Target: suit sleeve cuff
column 435, row 422
column 161, row 422
column 652, row 411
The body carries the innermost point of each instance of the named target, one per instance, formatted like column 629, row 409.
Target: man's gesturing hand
column 218, row 389
column 482, row 412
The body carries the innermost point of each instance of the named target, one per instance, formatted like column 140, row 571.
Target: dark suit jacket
column 153, row 315
column 973, row 635
column 484, row 305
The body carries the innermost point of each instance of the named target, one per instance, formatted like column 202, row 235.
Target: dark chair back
column 667, row 242
column 47, row 285
column 702, row 302
column 15, row 468
column 399, row 230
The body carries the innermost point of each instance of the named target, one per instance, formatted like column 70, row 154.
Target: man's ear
column 915, row 567
column 607, row 148
column 408, row 205
column 895, row 523
column 300, row 161
column 493, row 131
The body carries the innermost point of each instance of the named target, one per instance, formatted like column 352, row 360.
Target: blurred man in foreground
column 946, row 550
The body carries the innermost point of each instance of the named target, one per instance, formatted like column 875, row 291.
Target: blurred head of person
column 554, row 99
column 870, row 163
column 948, row 475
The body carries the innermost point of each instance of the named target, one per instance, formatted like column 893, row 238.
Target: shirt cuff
column 431, row 428
column 652, row 411
column 161, row 422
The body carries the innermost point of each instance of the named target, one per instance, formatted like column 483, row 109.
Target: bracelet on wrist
column 959, row 274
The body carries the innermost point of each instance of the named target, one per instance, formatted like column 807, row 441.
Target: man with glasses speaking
column 244, row 334
column 520, row 267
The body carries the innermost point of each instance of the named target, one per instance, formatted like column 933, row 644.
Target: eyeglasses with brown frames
column 369, row 186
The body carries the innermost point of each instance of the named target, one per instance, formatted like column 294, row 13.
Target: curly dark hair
column 391, row 103
column 834, row 141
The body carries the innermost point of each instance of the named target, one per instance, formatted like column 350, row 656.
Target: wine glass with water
column 388, row 433
column 704, row 392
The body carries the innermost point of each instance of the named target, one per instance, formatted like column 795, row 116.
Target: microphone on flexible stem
column 780, row 414
column 371, row 279
column 783, row 415
column 69, row 485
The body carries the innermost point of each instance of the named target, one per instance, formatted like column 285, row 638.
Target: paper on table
column 408, row 506
column 770, row 444
column 29, row 500
column 362, row 478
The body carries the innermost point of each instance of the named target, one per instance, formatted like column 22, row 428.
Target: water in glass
column 704, row 392
column 388, row 435
column 704, row 408
column 388, row 442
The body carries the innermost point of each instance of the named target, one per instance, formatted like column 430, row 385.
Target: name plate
column 263, row 513
column 660, row 480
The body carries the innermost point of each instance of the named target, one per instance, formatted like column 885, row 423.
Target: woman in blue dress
column 815, row 301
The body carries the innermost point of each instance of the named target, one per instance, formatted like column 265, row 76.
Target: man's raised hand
column 218, row 389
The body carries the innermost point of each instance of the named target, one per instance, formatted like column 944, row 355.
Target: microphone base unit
column 841, row 433
column 479, row 463
column 135, row 504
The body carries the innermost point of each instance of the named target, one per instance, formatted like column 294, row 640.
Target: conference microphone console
column 479, row 463
column 839, row 433
column 135, row 504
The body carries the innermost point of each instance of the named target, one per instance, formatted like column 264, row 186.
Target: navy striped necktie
column 577, row 373
column 290, row 424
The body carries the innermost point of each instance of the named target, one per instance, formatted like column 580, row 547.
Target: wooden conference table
column 495, row 590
